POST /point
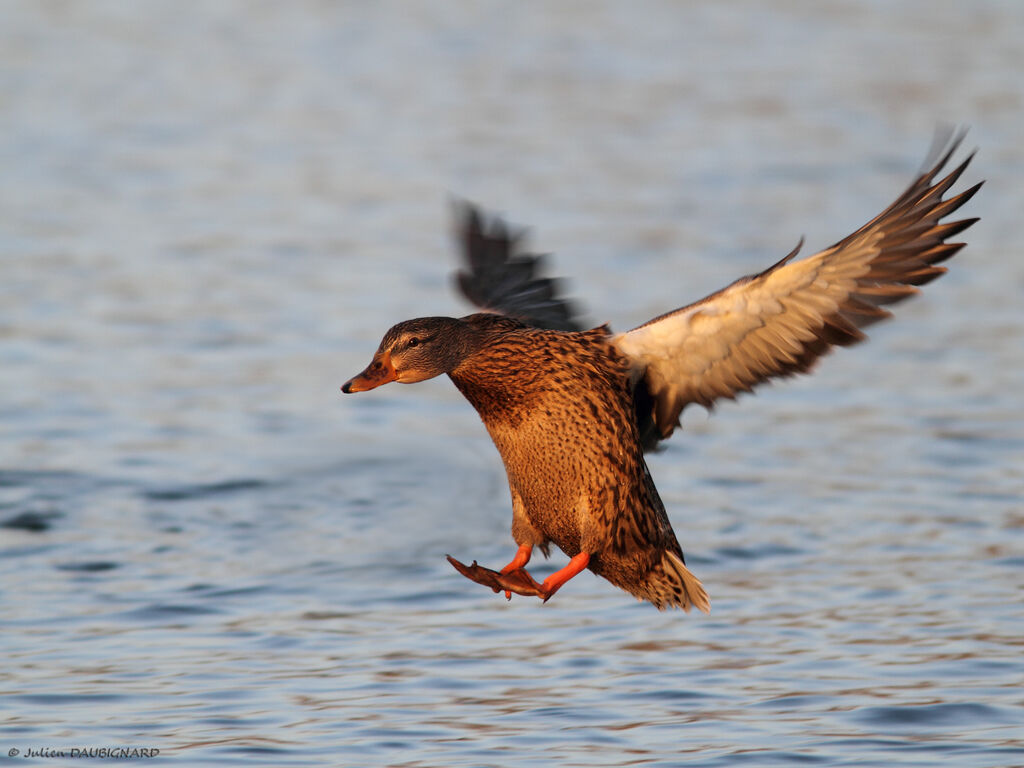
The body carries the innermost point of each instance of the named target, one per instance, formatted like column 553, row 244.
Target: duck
column 573, row 410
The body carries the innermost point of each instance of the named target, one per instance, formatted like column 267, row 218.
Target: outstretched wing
column 499, row 277
column 779, row 322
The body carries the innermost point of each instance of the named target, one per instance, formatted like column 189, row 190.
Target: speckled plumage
column 559, row 407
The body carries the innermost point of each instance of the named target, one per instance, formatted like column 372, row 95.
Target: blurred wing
column 499, row 277
column 779, row 322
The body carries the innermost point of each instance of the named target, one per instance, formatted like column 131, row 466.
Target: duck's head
column 414, row 350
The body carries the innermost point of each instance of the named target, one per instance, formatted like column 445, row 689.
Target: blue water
column 210, row 216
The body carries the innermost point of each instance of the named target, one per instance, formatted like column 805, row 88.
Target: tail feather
column 670, row 584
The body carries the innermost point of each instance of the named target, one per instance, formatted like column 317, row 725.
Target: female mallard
column 571, row 411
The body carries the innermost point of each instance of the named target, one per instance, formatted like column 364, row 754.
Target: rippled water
column 211, row 215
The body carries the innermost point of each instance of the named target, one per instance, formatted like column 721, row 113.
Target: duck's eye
column 413, row 342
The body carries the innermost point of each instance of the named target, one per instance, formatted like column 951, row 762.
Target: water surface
column 211, row 217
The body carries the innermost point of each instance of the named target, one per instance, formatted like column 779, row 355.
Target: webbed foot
column 517, row 580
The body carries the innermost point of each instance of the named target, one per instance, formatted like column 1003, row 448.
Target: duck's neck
column 499, row 378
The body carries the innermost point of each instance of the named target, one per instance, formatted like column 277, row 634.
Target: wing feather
column 500, row 277
column 780, row 321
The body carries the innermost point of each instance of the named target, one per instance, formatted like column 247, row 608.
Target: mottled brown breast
column 559, row 408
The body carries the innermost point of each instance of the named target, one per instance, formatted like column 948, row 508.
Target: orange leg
column 520, row 560
column 555, row 581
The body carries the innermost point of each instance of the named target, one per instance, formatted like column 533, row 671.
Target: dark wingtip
column 945, row 142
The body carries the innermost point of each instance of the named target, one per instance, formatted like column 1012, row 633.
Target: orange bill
column 380, row 371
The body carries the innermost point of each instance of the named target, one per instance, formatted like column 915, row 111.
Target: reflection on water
column 211, row 217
